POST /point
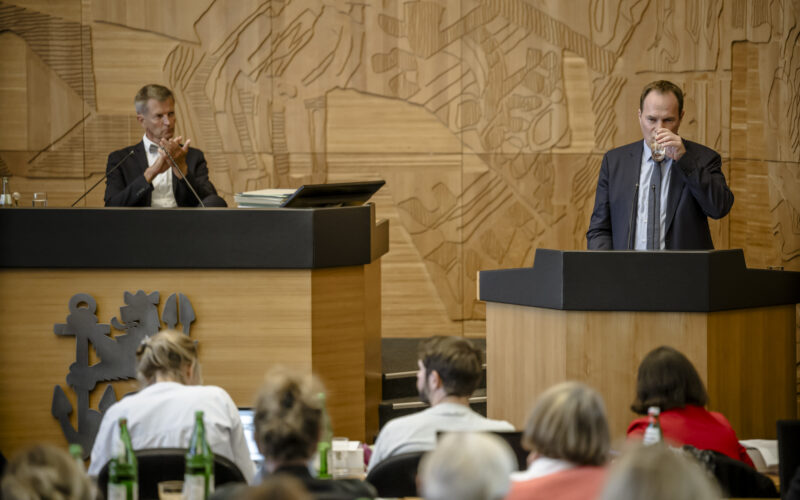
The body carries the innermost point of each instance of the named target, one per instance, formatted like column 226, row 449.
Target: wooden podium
column 298, row 287
column 592, row 316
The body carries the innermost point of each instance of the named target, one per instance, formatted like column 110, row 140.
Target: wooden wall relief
column 488, row 118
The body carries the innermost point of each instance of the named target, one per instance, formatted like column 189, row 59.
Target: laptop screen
column 246, row 415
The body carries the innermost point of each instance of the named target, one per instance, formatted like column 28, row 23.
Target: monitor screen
column 333, row 195
column 248, row 425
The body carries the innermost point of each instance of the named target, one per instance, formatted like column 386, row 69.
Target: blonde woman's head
column 44, row 471
column 168, row 355
column 569, row 422
column 288, row 416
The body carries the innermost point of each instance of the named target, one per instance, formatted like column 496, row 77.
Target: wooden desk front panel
column 529, row 349
column 247, row 321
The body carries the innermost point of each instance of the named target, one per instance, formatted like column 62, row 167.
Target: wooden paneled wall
column 488, row 119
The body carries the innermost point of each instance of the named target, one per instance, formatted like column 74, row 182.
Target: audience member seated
column 288, row 424
column 44, row 471
column 658, row 473
column 567, row 433
column 161, row 414
column 668, row 380
column 450, row 369
column 467, row 466
column 282, row 487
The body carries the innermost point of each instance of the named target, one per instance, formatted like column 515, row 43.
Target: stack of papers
column 263, row 198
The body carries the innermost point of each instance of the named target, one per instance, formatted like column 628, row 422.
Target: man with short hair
column 658, row 193
column 450, row 369
column 147, row 177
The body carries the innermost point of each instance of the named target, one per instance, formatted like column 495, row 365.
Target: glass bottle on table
column 5, row 197
column 326, row 437
column 123, row 481
column 198, row 479
column 653, row 435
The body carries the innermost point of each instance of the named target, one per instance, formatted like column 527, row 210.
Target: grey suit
column 697, row 190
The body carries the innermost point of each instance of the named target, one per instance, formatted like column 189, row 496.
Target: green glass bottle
column 324, row 445
column 198, row 479
column 76, row 451
column 123, row 481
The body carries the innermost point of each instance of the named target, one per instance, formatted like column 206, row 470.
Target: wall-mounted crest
column 139, row 319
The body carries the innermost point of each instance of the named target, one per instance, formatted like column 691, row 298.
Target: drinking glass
column 659, row 150
column 39, row 200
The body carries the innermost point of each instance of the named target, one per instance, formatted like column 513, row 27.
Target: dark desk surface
column 689, row 281
column 190, row 238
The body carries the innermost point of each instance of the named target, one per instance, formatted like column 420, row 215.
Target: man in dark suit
column 146, row 177
column 658, row 193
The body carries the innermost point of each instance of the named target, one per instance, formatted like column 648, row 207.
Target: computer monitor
column 332, row 195
column 247, row 415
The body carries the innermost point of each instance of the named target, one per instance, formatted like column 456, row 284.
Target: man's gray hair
column 467, row 466
column 151, row 91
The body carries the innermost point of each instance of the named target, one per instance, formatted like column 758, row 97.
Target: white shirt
column 163, row 196
column 640, row 241
column 417, row 432
column 542, row 466
column 162, row 416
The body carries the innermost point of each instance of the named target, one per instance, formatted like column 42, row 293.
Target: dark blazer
column 328, row 489
column 127, row 187
column 697, row 190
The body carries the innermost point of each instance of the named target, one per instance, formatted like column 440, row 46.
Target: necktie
column 153, row 149
column 654, row 209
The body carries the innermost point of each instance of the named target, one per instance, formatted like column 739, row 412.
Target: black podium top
column 179, row 238
column 690, row 281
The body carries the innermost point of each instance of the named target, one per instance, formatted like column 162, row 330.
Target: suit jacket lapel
column 141, row 157
column 632, row 175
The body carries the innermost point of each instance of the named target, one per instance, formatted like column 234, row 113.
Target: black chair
column 788, row 453
column 736, row 478
column 169, row 464
column 396, row 477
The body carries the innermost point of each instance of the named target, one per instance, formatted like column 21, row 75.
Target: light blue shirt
column 640, row 241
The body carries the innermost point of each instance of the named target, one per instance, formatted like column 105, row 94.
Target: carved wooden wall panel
column 488, row 119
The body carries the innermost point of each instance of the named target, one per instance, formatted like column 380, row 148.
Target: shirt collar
column 147, row 142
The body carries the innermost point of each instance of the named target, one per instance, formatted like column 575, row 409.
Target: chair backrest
column 396, row 477
column 512, row 438
column 737, row 479
column 168, row 464
column 788, row 452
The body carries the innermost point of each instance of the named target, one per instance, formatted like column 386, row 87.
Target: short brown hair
column 663, row 87
column 289, row 416
column 457, row 361
column 151, row 91
column 667, row 379
column 167, row 353
column 44, row 471
column 569, row 422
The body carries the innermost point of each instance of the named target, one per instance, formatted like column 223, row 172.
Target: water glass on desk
column 39, row 200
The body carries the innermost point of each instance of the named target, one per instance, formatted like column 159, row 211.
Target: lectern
column 297, row 287
column 592, row 316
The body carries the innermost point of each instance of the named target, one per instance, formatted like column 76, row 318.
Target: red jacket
column 696, row 426
column 579, row 483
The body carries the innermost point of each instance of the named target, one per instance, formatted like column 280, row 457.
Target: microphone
column 632, row 221
column 130, row 153
column 172, row 160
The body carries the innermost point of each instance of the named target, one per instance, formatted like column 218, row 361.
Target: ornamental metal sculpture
column 139, row 319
